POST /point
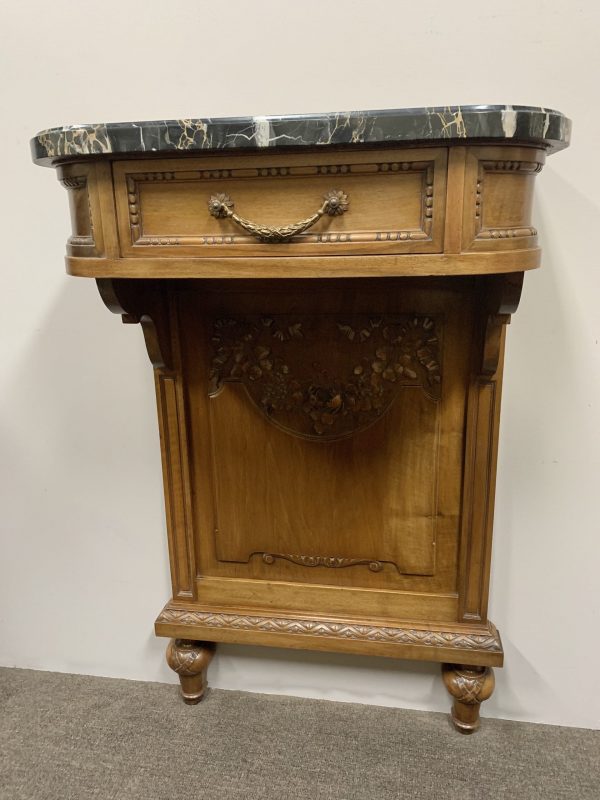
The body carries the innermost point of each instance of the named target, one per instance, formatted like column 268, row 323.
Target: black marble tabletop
column 496, row 124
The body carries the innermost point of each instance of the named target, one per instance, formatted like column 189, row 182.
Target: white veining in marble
column 262, row 136
column 526, row 124
column 546, row 123
column 509, row 122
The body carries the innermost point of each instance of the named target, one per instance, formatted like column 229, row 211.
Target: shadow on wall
column 335, row 676
column 545, row 538
column 85, row 522
column 80, row 476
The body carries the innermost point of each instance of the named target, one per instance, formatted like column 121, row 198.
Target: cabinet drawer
column 396, row 203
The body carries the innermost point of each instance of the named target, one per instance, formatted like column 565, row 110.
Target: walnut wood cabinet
column 324, row 301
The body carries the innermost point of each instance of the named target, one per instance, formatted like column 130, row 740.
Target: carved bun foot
column 190, row 660
column 469, row 686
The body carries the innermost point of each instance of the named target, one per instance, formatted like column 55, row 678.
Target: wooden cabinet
column 326, row 325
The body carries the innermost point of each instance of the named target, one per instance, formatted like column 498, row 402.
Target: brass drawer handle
column 221, row 206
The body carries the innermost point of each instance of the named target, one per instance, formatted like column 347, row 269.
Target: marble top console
column 484, row 123
column 324, row 300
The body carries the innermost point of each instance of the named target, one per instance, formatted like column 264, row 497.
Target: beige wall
column 80, row 471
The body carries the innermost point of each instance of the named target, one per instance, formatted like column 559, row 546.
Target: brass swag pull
column 221, row 206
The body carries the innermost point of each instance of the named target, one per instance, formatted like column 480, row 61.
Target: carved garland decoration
column 332, row 562
column 489, row 641
column 325, row 377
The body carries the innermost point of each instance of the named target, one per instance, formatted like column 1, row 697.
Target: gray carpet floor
column 72, row 737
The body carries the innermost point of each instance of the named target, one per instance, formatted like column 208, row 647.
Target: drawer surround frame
column 462, row 249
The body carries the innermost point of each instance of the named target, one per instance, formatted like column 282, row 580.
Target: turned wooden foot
column 190, row 660
column 469, row 686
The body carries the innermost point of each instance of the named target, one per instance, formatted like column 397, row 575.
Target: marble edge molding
column 516, row 124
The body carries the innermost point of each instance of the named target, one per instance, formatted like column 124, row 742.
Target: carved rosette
column 326, row 376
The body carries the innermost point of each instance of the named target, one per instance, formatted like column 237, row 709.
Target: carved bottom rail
column 481, row 643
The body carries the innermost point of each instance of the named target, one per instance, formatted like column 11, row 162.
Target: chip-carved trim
column 487, row 642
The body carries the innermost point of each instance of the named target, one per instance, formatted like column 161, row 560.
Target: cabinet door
column 327, row 430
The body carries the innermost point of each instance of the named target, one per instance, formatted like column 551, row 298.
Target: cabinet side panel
column 176, row 484
column 479, row 490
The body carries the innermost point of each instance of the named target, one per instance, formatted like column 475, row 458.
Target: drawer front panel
column 396, row 203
